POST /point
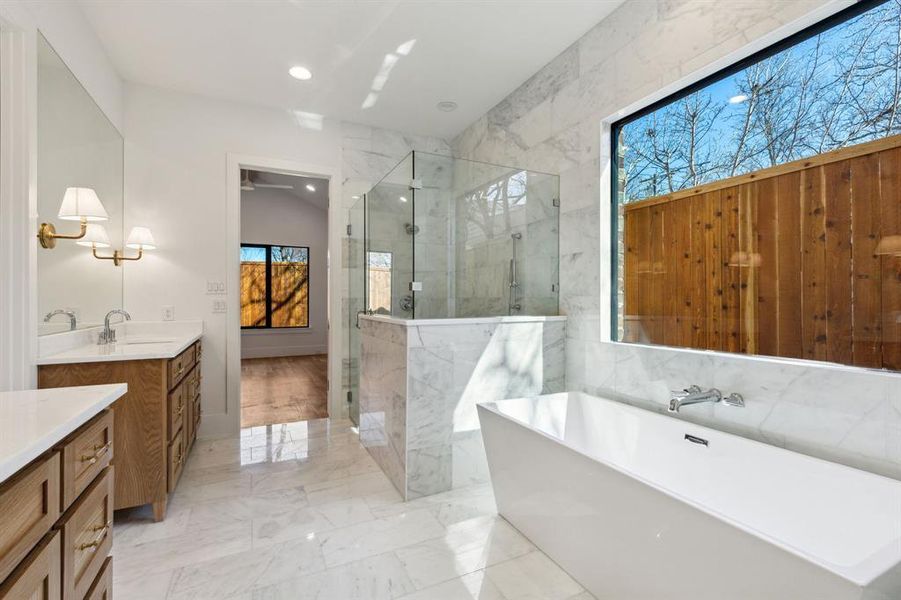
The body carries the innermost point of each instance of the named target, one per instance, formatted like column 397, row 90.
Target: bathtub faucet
column 695, row 395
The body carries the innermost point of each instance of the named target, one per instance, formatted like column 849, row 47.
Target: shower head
column 516, row 236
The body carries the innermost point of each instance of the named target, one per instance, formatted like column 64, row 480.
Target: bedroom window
column 274, row 286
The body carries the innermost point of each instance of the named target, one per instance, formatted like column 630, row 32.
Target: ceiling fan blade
column 274, row 186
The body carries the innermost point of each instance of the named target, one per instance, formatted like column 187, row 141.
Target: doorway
column 283, row 281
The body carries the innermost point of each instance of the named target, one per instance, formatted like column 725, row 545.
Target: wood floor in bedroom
column 283, row 389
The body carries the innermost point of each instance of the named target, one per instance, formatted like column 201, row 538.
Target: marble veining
column 324, row 526
column 420, row 383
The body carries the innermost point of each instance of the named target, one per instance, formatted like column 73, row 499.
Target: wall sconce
column 79, row 204
column 140, row 239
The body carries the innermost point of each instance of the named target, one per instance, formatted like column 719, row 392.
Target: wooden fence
column 290, row 294
column 800, row 260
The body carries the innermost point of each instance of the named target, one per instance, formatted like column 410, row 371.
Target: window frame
column 616, row 127
column 268, row 325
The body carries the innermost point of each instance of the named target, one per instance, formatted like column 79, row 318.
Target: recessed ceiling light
column 447, row 106
column 738, row 99
column 310, row 187
column 299, row 72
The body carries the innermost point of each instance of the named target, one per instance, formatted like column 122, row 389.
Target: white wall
column 272, row 216
column 70, row 34
column 558, row 121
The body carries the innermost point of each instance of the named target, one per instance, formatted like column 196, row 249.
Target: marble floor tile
column 475, row 586
column 323, row 523
column 375, row 537
column 465, row 547
column 375, row 578
column 531, row 577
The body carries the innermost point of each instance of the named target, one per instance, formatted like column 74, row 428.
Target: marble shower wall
column 421, row 381
column 490, row 204
column 554, row 123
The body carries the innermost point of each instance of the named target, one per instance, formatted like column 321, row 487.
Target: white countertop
column 32, row 421
column 136, row 341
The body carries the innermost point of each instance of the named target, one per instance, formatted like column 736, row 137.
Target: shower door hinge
column 556, row 202
column 350, row 397
column 416, row 184
column 350, row 228
column 415, row 286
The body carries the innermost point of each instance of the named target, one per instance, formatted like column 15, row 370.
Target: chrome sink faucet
column 695, row 395
column 108, row 335
column 73, row 323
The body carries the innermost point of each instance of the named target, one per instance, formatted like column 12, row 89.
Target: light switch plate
column 168, row 313
column 215, row 287
column 220, row 306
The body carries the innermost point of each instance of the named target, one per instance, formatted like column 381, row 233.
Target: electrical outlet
column 168, row 313
column 220, row 306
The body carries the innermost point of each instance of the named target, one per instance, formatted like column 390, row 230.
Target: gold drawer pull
column 99, row 451
column 181, row 409
column 103, row 529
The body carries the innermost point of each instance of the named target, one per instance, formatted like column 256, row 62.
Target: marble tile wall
column 554, row 123
column 431, row 386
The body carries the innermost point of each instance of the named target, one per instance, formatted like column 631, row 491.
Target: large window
column 758, row 211
column 275, row 286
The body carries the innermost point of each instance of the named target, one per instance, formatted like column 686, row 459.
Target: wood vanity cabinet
column 56, row 518
column 156, row 421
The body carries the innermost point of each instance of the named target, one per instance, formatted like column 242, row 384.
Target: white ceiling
column 472, row 52
column 317, row 198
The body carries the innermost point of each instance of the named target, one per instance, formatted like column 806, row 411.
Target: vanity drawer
column 87, row 536
column 29, row 505
column 38, row 577
column 85, row 454
column 176, row 459
column 102, row 589
column 177, row 408
column 180, row 365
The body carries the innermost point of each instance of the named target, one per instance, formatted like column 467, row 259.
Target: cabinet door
column 38, row 576
column 103, row 585
column 84, row 455
column 87, row 536
column 29, row 505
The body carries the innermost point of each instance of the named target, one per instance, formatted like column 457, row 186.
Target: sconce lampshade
column 95, row 237
column 140, row 238
column 81, row 203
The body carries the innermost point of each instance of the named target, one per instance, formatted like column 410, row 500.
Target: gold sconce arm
column 47, row 234
column 118, row 257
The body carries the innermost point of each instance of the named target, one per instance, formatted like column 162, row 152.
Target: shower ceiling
column 397, row 58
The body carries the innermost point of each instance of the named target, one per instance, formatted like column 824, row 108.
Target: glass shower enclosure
column 441, row 237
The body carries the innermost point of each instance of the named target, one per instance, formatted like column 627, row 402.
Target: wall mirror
column 79, row 147
column 759, row 211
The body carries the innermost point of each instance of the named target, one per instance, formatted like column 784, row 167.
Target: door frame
column 236, row 162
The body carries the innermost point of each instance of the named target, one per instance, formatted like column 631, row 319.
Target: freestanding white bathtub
column 639, row 506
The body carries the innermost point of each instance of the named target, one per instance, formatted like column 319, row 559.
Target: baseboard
column 217, row 425
column 276, row 351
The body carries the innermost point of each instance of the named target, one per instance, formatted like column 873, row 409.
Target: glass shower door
column 356, row 302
